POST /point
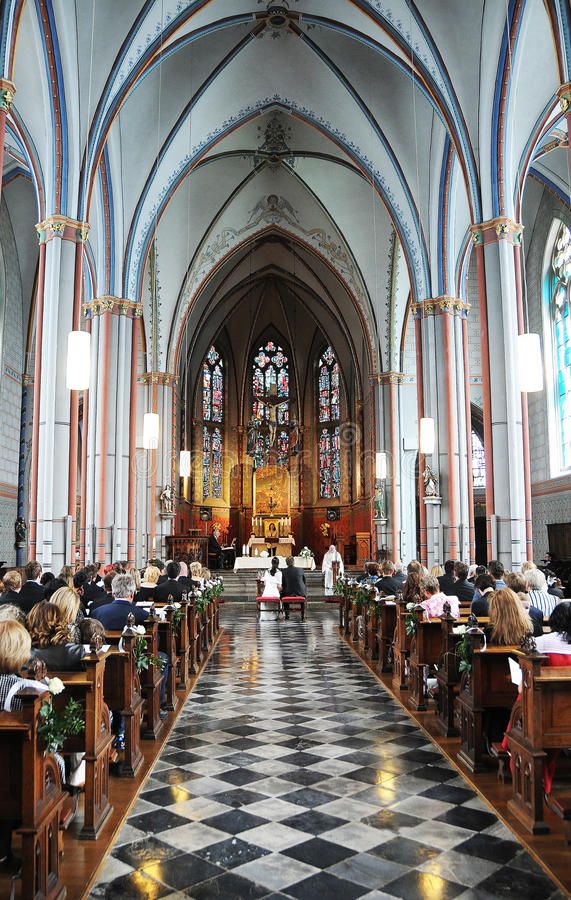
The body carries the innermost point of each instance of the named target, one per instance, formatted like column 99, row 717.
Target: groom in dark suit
column 293, row 582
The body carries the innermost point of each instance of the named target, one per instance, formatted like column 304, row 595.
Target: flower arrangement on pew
column 365, row 594
column 144, row 659
column 176, row 616
column 344, row 587
column 56, row 727
column 212, row 590
column 306, row 553
column 410, row 622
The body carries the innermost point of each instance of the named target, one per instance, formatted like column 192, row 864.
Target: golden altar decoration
column 271, row 522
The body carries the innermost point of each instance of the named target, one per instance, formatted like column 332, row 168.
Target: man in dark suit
column 463, row 589
column 113, row 616
column 171, row 587
column 446, row 581
column 293, row 582
column 388, row 584
column 32, row 591
column 214, row 550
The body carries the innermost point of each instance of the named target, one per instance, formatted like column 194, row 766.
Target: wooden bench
column 487, row 687
column 386, row 623
column 95, row 742
column 31, row 795
column 122, row 694
column 401, row 647
column 296, row 604
column 540, row 721
column 274, row 601
column 448, row 675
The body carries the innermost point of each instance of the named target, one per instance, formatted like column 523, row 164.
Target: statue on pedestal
column 430, row 482
column 166, row 499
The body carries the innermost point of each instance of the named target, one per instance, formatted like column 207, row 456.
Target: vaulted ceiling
column 352, row 140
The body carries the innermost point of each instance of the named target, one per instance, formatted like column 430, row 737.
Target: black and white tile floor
column 292, row 773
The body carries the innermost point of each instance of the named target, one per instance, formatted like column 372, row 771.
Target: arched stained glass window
column 561, row 319
column 213, row 417
column 329, row 411
column 270, row 404
column 328, row 387
column 212, row 387
column 478, row 463
column 329, row 464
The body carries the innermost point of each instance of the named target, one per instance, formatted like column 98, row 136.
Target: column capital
column 502, row 228
column 166, row 379
column 58, row 226
column 115, row 306
column 391, row 378
column 564, row 95
column 7, row 91
column 439, row 306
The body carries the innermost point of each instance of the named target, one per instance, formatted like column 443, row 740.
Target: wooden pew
column 401, row 647
column 488, row 686
column 149, row 680
column 448, row 675
column 425, row 651
column 167, row 645
column 122, row 693
column 540, row 721
column 95, row 742
column 31, row 794
column 386, row 624
column 194, row 637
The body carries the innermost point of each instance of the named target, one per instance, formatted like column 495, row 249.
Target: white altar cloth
column 253, row 563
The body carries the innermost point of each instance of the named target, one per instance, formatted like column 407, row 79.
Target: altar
column 254, row 563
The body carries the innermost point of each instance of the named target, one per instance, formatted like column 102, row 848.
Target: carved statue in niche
column 20, row 530
column 294, row 438
column 166, row 499
column 430, row 482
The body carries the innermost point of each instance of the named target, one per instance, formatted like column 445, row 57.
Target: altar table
column 253, row 563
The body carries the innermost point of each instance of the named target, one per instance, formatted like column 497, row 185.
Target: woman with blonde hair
column 196, row 574
column 509, row 621
column 146, row 593
column 49, row 631
column 436, row 571
column 66, row 575
column 69, row 605
column 12, row 582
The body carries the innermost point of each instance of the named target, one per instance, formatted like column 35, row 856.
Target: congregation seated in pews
column 115, row 664
column 455, row 654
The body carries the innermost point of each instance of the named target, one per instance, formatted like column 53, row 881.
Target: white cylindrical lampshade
column 427, row 438
column 184, row 464
column 78, row 360
column 530, row 363
column 381, row 466
column 150, row 431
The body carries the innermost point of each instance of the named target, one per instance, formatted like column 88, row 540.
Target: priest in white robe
column 330, row 557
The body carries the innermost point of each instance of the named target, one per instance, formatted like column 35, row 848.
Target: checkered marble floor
column 292, row 773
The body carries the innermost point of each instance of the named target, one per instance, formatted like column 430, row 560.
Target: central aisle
column 292, row 772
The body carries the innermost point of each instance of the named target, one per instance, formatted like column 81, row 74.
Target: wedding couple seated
column 283, row 589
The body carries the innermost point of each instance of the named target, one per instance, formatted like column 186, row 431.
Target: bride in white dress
column 272, row 585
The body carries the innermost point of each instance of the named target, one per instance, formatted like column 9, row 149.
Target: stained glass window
column 212, row 387
column 270, row 384
column 212, row 415
column 329, row 411
column 329, row 464
column 478, row 463
column 561, row 318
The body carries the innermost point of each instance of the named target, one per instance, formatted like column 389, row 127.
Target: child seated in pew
column 90, row 628
column 433, row 599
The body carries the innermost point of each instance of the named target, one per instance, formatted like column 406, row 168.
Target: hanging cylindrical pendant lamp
column 184, row 464
column 150, row 431
column 78, row 360
column 381, row 466
column 530, row 363
column 427, row 436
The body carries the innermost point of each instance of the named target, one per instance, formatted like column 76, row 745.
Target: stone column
column 396, row 399
column 161, row 387
column 51, row 527
column 108, row 455
column 444, row 387
column 496, row 240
